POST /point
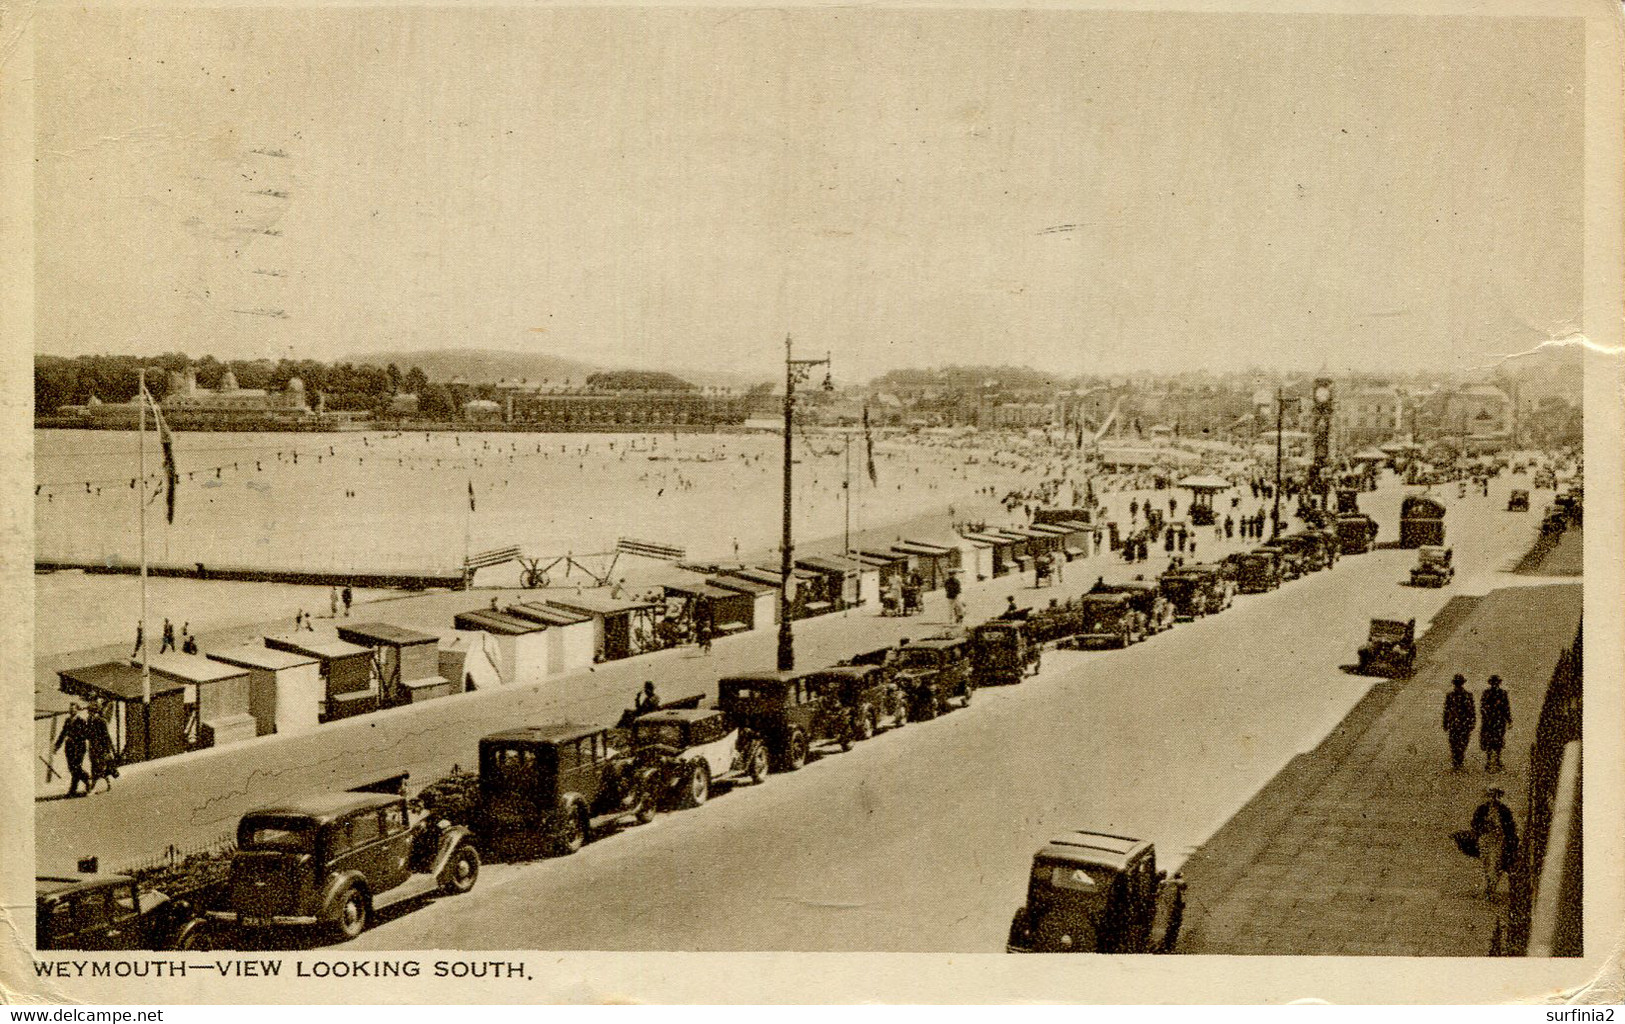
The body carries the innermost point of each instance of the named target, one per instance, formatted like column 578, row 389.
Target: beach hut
column 216, row 697
column 1002, row 550
column 284, row 689
column 405, row 662
column 812, row 589
column 571, row 637
column 141, row 730
column 893, row 565
column 764, row 598
column 470, row 660
column 868, row 578
column 765, row 578
column 346, row 671
column 621, row 627
column 1039, row 541
column 932, row 561
column 1060, row 533
column 841, row 577
column 730, row 611
column 521, row 643
column 976, row 558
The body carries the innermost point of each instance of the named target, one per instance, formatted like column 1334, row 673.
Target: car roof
column 756, row 678
column 936, row 642
column 553, row 732
column 843, row 671
column 325, row 806
column 1107, row 597
column 1099, row 848
column 680, row 715
column 49, row 886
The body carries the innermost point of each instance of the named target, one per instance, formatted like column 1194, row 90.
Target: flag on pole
column 471, row 494
column 869, row 449
column 167, row 442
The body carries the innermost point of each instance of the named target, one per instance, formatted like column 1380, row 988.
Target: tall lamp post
column 1280, row 425
column 795, row 371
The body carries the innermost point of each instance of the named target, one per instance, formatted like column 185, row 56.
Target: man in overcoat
column 1495, row 716
column 1460, row 716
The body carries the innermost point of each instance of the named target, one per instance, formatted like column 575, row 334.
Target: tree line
column 344, row 386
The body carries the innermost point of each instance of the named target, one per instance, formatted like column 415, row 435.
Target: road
column 919, row 840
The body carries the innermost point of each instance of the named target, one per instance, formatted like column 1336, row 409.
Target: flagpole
column 141, row 492
column 846, row 537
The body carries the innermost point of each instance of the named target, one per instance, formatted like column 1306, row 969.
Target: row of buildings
column 295, row 682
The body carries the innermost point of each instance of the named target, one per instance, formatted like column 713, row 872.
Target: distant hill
column 487, row 366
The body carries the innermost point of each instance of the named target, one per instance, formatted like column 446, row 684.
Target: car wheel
column 758, row 766
column 354, row 910
column 462, row 872
column 698, row 788
column 200, row 937
column 900, row 717
column 866, row 722
column 795, row 750
column 1038, row 665
column 572, row 831
column 964, row 699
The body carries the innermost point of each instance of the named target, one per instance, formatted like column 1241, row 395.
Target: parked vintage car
column 1390, row 648
column 1356, row 533
column 561, row 784
column 1257, row 571
column 1090, row 892
column 691, row 748
column 787, row 711
column 91, row 911
column 1156, row 612
column 1433, row 567
column 1196, row 590
column 1518, row 500
column 1001, row 652
column 332, row 860
column 1108, row 620
column 867, row 694
column 933, row 672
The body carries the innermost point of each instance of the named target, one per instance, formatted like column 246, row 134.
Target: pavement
column 1348, row 851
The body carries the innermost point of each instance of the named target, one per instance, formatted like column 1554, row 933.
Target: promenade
column 1348, row 850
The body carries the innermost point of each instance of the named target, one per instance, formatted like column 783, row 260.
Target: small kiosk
column 142, row 730
column 1202, row 489
column 346, row 671
column 284, row 689
column 571, row 637
column 406, row 663
column 216, row 698
column 521, row 643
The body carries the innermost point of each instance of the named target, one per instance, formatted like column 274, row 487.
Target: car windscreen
column 1387, row 631
column 289, row 835
column 509, row 767
column 1074, row 879
column 665, row 734
column 917, row 657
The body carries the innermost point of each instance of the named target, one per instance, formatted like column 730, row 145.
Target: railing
column 1555, row 925
column 1556, row 730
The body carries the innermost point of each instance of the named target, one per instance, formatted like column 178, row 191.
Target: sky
column 1082, row 192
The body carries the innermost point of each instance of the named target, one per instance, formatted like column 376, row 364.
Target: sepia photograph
column 976, row 483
